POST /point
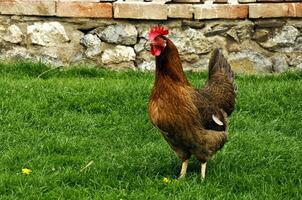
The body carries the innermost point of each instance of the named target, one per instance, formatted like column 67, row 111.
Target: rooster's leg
column 184, row 167
column 203, row 170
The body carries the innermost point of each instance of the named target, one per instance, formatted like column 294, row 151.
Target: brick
column 247, row 1
column 35, row 1
column 139, row 10
column 107, row 0
column 26, row 7
column 219, row 11
column 298, row 10
column 184, row 11
column 186, row 1
column 27, row 1
column 158, row 1
column 134, row 0
column 270, row 1
column 81, row 9
column 94, row 1
column 267, row 10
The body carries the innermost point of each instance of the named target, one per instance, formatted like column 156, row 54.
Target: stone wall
column 255, row 37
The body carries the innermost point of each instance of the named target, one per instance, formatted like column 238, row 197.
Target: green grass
column 56, row 124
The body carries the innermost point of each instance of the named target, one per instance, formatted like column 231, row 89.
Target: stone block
column 10, row 7
column 118, row 54
column 81, row 9
column 220, row 1
column 215, row 11
column 125, row 34
column 140, row 10
column 269, row 23
column 193, row 24
column 47, row 34
column 180, row 11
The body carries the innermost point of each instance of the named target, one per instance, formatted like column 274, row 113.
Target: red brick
column 298, row 10
column 135, row 0
column 28, row 7
column 82, row 9
column 216, row 11
column 35, row 1
column 247, row 1
column 267, row 10
column 187, row 1
column 270, row 0
column 184, row 11
column 160, row 1
column 79, row 1
column 140, row 10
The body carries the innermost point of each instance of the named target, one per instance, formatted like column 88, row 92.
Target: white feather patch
column 217, row 121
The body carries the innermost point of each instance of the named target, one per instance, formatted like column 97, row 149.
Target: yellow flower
column 166, row 180
column 26, row 171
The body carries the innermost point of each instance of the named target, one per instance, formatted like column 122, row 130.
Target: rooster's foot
column 183, row 170
column 203, row 170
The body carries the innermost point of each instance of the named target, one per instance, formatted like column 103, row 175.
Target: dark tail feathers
column 218, row 63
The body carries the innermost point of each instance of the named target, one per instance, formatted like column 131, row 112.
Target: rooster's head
column 157, row 39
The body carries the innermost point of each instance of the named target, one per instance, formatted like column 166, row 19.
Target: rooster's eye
column 158, row 38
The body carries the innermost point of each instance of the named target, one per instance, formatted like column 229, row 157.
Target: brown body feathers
column 186, row 116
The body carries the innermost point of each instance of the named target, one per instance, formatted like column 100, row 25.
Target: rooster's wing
column 211, row 116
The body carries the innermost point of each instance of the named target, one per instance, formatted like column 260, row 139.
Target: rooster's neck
column 169, row 67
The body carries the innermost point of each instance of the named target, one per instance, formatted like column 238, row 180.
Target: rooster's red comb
column 156, row 31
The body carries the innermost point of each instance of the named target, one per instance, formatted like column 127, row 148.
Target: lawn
column 57, row 124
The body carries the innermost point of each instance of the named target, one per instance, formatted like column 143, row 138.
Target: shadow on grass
column 44, row 71
column 40, row 70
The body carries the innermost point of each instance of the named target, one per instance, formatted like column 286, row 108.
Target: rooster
column 192, row 121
